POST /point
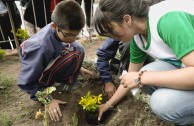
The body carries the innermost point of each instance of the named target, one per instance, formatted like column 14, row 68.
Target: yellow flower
column 90, row 102
column 99, row 98
column 39, row 115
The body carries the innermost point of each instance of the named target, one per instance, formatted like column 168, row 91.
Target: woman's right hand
column 54, row 109
column 102, row 108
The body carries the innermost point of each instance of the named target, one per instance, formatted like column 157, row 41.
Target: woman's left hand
column 128, row 80
column 87, row 74
column 102, row 108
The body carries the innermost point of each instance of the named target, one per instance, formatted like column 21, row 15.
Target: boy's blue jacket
column 106, row 52
column 35, row 54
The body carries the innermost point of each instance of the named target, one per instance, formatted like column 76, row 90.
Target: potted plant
column 22, row 34
column 90, row 103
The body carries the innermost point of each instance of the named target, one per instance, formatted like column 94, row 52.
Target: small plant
column 43, row 98
column 39, row 115
column 22, row 34
column 2, row 54
column 90, row 102
column 5, row 87
column 5, row 119
column 74, row 120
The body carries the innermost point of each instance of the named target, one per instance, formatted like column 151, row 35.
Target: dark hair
column 68, row 15
column 114, row 10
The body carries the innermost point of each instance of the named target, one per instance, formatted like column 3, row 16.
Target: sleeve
column 32, row 61
column 106, row 52
column 136, row 54
column 177, row 31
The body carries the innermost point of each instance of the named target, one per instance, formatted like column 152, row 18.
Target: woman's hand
column 87, row 74
column 128, row 80
column 54, row 109
column 102, row 108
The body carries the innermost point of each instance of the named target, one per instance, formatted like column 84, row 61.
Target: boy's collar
column 55, row 35
column 57, row 38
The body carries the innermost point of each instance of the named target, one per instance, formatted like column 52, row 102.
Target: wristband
column 109, row 106
column 49, row 98
column 138, row 80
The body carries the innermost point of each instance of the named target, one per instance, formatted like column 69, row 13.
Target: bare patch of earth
column 131, row 111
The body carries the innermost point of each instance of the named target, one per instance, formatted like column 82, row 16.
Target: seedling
column 90, row 102
column 43, row 98
column 90, row 105
column 74, row 120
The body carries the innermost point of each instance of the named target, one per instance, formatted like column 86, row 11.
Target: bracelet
column 109, row 106
column 49, row 98
column 138, row 80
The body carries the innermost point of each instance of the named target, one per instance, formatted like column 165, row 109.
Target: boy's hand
column 54, row 109
column 109, row 89
column 87, row 74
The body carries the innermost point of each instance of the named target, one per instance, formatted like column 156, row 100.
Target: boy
column 52, row 55
column 106, row 54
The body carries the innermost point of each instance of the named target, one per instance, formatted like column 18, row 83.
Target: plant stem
column 45, row 115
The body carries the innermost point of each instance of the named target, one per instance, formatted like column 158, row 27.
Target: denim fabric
column 174, row 106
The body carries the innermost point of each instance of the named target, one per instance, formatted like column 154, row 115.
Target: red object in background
column 52, row 6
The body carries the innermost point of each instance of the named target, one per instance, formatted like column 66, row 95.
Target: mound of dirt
column 130, row 111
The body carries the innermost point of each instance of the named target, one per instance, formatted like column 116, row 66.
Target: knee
column 161, row 105
column 169, row 105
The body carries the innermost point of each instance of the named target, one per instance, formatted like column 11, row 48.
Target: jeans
column 174, row 106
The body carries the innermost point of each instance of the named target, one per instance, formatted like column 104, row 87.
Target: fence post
column 2, row 33
column 13, row 27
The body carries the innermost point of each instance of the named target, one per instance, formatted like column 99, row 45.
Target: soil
column 130, row 111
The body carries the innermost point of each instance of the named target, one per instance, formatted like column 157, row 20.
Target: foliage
column 5, row 119
column 90, row 102
column 74, row 120
column 5, row 87
column 143, row 97
column 43, row 95
column 43, row 98
column 89, row 64
column 2, row 54
column 39, row 115
column 5, row 82
column 22, row 34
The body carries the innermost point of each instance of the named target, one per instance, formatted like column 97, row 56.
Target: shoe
column 68, row 88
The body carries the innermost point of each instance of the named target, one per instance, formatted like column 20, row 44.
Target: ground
column 18, row 110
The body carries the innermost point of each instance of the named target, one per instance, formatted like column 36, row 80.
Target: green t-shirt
column 170, row 34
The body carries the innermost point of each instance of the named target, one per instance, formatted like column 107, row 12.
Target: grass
column 89, row 64
column 142, row 97
column 5, row 119
column 74, row 120
column 5, row 86
column 5, row 82
column 2, row 54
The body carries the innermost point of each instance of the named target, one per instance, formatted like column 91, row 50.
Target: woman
column 164, row 31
